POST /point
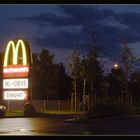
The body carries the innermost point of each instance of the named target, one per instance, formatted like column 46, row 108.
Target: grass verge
column 43, row 113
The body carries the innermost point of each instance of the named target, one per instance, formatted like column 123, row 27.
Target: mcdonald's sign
column 15, row 95
column 16, row 68
column 17, row 59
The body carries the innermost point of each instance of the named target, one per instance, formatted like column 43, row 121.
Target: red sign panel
column 16, row 71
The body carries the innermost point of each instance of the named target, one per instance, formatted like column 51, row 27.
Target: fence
column 61, row 105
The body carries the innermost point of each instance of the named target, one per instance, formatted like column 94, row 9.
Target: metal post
column 44, row 105
column 121, row 97
column 8, row 106
column 31, row 83
column 131, row 99
column 84, row 87
column 71, row 102
column 59, row 105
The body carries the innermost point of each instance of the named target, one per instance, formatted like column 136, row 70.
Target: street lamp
column 116, row 66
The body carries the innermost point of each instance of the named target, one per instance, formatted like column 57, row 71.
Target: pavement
column 68, row 117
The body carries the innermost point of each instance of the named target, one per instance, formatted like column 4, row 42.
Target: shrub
column 2, row 110
column 107, row 109
column 135, row 110
column 29, row 109
column 89, row 114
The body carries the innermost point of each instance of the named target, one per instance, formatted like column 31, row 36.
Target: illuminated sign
column 16, row 68
column 15, row 50
column 14, row 53
column 15, row 95
column 16, row 71
column 10, row 70
column 15, row 83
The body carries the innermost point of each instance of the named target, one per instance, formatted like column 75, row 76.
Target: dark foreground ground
column 56, row 125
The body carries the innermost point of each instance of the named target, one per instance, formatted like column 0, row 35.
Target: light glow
column 116, row 66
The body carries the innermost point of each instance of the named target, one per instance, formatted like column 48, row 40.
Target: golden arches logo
column 21, row 59
column 15, row 51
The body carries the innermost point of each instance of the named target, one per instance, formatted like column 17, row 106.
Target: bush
column 29, row 109
column 135, row 110
column 2, row 110
column 107, row 109
column 89, row 114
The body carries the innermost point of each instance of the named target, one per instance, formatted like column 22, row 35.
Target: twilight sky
column 60, row 28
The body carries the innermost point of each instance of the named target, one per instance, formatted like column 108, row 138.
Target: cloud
column 50, row 18
column 76, row 23
column 71, row 15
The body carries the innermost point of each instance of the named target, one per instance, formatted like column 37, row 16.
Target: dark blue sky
column 60, row 28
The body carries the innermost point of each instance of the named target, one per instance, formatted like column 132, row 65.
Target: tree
column 92, row 69
column 43, row 65
column 75, row 67
column 49, row 79
column 61, row 82
column 116, row 82
column 87, row 69
column 128, row 60
column 36, row 92
column 134, row 86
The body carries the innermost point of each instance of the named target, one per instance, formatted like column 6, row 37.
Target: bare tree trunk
column 75, row 88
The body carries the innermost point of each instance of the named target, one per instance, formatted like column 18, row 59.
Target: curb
column 77, row 121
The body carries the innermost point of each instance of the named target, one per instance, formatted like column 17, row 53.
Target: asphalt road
column 55, row 125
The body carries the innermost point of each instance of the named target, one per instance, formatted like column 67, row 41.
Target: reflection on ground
column 39, row 126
